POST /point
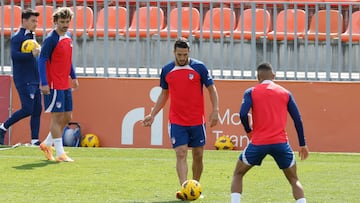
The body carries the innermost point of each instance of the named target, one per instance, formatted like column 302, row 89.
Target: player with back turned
column 270, row 104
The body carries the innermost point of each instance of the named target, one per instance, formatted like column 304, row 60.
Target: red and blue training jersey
column 185, row 86
column 55, row 62
column 270, row 104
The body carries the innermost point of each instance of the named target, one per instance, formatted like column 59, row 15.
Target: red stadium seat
column 319, row 19
column 80, row 14
column 190, row 18
column 10, row 13
column 154, row 15
column 262, row 24
column 46, row 26
column 289, row 24
column 223, row 21
column 355, row 28
column 111, row 20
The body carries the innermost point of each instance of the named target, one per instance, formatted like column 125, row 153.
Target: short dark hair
column 28, row 12
column 265, row 67
column 182, row 42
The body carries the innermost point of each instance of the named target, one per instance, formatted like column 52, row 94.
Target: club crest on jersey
column 58, row 105
column 32, row 96
column 191, row 76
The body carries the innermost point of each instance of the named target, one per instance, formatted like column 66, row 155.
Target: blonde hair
column 63, row 13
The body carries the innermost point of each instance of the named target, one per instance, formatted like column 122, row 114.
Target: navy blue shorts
column 193, row 136
column 30, row 97
column 282, row 153
column 58, row 101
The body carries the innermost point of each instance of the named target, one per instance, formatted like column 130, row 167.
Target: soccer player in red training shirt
column 55, row 67
column 270, row 104
column 183, row 80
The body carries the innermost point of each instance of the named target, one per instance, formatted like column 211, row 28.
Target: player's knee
column 197, row 155
column 181, row 152
column 27, row 110
column 67, row 117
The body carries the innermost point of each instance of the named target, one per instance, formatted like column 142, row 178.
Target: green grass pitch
column 148, row 175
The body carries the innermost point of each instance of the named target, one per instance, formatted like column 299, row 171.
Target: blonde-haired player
column 55, row 68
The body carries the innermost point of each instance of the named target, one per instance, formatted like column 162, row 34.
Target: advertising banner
column 113, row 108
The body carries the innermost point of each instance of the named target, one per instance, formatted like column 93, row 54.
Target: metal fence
column 303, row 40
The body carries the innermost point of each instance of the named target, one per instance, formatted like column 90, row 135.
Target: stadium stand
column 319, row 23
column 246, row 25
column 115, row 24
column 218, row 23
column 9, row 14
column 61, row 1
column 274, row 20
column 352, row 29
column 190, row 22
column 290, row 24
column 83, row 20
column 144, row 15
column 44, row 20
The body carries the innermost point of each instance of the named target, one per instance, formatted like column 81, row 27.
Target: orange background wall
column 5, row 82
column 112, row 109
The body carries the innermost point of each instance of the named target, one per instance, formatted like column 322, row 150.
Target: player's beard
column 181, row 63
column 64, row 29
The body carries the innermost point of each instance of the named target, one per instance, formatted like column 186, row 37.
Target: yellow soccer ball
column 90, row 140
column 28, row 45
column 191, row 190
column 224, row 143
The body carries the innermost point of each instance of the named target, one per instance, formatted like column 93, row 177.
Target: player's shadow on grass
column 31, row 166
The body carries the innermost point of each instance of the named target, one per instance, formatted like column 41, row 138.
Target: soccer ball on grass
column 90, row 140
column 224, row 143
column 191, row 190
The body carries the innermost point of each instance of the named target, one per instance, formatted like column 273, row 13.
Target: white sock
column 49, row 140
column 3, row 127
column 301, row 200
column 58, row 146
column 33, row 141
column 235, row 197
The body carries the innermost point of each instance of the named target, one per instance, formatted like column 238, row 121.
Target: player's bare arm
column 249, row 135
column 75, row 84
column 303, row 152
column 161, row 101
column 36, row 52
column 214, row 98
column 45, row 89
